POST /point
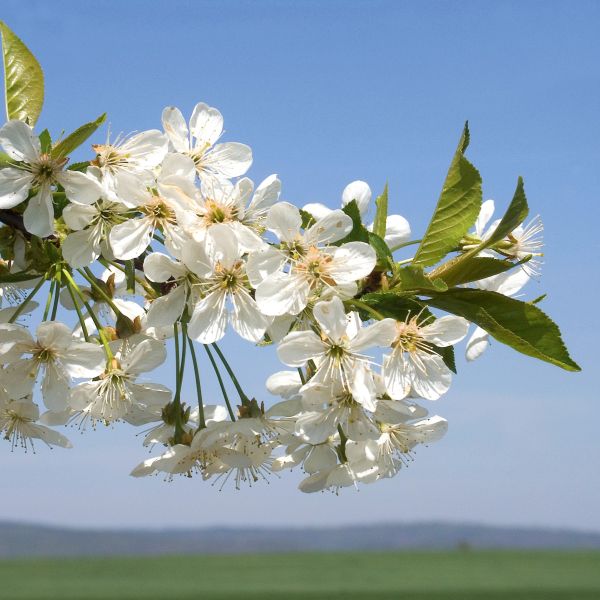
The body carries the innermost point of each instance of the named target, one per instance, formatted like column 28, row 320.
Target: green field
column 410, row 575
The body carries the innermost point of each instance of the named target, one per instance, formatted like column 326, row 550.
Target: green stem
column 202, row 421
column 79, row 313
column 236, row 383
column 92, row 314
column 144, row 284
column 87, row 274
column 179, row 362
column 362, row 306
column 49, row 300
column 25, row 302
column 302, row 378
column 56, row 296
column 220, row 380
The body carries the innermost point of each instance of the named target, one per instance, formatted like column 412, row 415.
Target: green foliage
column 395, row 306
column 359, row 232
column 75, row 139
column 380, row 222
column 23, row 79
column 413, row 278
column 456, row 211
column 521, row 325
column 476, row 268
column 45, row 140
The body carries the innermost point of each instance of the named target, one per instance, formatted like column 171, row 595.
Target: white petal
column 147, row 149
column 194, row 256
column 485, row 214
column 263, row 263
column 55, row 335
column 206, row 124
column 231, row 159
column 55, row 388
column 176, row 128
column 330, row 228
column 281, row 293
column 167, row 309
column 19, row 141
column 352, row 261
column 316, row 209
column 146, row 356
column 38, row 217
column 80, row 248
column 434, row 380
column 14, row 186
column 265, row 196
column 447, row 331
column 331, row 317
column 83, row 359
column 284, row 220
column 78, row 216
column 80, row 187
column 222, row 246
column 477, row 344
column 159, row 267
column 298, row 347
column 284, row 383
column 381, row 334
column 359, row 191
column 129, row 239
column 209, row 319
column 246, row 317
column 397, row 230
column 397, row 374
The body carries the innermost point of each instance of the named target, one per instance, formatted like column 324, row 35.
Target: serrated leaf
column 23, row 79
column 380, row 222
column 456, row 211
column 516, row 213
column 520, row 325
column 75, row 139
column 447, row 354
column 395, row 306
column 476, row 268
column 414, row 278
column 79, row 166
column 359, row 232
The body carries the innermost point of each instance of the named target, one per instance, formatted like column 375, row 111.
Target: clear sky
column 327, row 92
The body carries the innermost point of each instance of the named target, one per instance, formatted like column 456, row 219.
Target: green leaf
column 395, row 306
column 45, row 140
column 516, row 213
column 79, row 166
column 75, row 139
column 456, row 211
column 307, row 219
column 380, row 222
column 384, row 256
column 476, row 268
column 413, row 278
column 5, row 160
column 359, row 232
column 23, row 79
column 447, row 354
column 520, row 325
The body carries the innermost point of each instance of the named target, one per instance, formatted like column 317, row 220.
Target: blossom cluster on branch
column 158, row 240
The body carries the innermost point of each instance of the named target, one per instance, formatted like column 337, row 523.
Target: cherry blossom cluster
column 159, row 240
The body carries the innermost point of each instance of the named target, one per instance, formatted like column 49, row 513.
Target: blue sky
column 328, row 92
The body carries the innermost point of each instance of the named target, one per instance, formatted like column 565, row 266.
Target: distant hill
column 17, row 539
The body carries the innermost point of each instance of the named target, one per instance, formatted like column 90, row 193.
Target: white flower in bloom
column 18, row 424
column 40, row 171
column 337, row 352
column 413, row 364
column 158, row 208
column 90, row 229
column 236, row 206
column 508, row 284
column 55, row 351
column 212, row 160
column 128, row 162
column 177, row 281
column 397, row 229
column 286, row 277
column 116, row 394
column 219, row 264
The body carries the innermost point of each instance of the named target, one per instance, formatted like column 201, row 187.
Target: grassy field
column 410, row 575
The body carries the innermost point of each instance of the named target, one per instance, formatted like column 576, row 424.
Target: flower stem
column 86, row 335
column 220, row 380
column 236, row 383
column 25, row 302
column 202, row 421
column 404, row 244
column 56, row 296
column 101, row 334
column 87, row 274
column 49, row 300
column 179, row 366
column 366, row 308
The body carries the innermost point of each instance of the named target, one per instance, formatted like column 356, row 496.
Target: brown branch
column 14, row 220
